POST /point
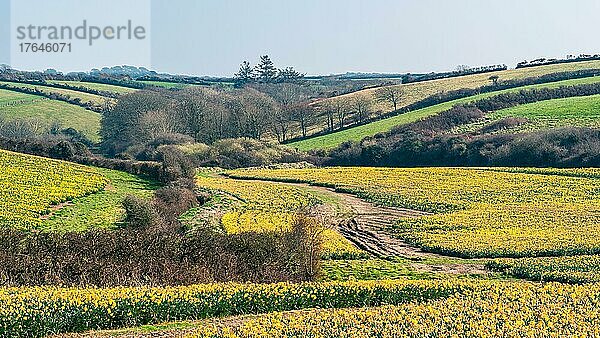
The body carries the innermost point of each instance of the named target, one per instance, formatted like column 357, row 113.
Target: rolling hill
column 43, row 194
column 572, row 111
column 92, row 99
column 357, row 133
column 413, row 92
column 15, row 105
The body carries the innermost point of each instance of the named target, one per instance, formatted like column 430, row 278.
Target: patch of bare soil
column 55, row 208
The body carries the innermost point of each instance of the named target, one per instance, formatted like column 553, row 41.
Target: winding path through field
column 367, row 226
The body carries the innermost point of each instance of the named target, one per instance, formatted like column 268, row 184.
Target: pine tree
column 265, row 71
column 244, row 75
column 288, row 74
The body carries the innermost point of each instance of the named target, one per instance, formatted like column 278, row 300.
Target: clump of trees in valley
column 227, row 128
column 200, row 114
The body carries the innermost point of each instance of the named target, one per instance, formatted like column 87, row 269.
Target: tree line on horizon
column 265, row 72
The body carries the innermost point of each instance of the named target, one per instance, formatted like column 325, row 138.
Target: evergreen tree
column 288, row 74
column 244, row 75
column 265, row 71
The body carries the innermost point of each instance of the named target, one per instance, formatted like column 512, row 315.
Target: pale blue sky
column 211, row 37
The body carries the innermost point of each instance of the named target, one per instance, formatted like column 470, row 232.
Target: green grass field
column 84, row 97
column 7, row 97
column 572, row 111
column 98, row 86
column 49, row 111
column 566, row 112
column 102, row 209
column 358, row 133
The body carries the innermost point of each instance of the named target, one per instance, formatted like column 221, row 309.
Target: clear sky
column 211, row 37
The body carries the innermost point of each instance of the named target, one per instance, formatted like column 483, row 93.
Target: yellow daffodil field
column 566, row 269
column 489, row 309
column 42, row 194
column 31, row 311
column 30, row 185
column 266, row 206
column 533, row 231
column 476, row 212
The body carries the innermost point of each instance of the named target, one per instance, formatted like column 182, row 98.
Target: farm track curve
column 367, row 227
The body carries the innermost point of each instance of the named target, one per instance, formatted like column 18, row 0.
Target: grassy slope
column 102, row 209
column 414, row 92
column 567, row 112
column 360, row 132
column 8, row 97
column 48, row 111
column 85, row 97
column 98, row 86
column 579, row 110
column 83, row 197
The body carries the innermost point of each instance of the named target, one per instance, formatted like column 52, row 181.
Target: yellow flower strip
column 494, row 310
column 266, row 206
column 30, row 186
column 39, row 311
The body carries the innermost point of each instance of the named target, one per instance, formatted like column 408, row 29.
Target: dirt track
column 367, row 226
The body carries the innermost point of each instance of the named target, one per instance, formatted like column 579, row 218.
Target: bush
column 63, row 150
column 176, row 164
column 175, row 199
column 139, row 213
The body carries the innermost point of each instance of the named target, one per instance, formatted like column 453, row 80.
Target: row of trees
column 265, row 72
column 569, row 58
column 345, row 111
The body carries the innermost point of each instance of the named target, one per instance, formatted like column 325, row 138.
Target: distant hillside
column 413, row 92
column 557, row 113
column 15, row 105
column 357, row 133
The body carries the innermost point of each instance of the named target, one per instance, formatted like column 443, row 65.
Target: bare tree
column 258, row 112
column 329, row 111
column 194, row 105
column 155, row 123
column 341, row 111
column 362, row 106
column 336, row 111
column 494, row 79
column 282, row 123
column 304, row 114
column 462, row 68
column 390, row 94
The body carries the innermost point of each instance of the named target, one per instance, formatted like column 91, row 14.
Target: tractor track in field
column 367, row 226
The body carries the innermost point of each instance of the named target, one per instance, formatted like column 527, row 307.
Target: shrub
column 139, row 212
